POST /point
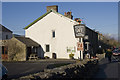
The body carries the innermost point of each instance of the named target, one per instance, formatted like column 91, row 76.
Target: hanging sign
column 79, row 30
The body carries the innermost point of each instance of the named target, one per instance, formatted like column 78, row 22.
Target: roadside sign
column 70, row 49
column 79, row 30
column 79, row 46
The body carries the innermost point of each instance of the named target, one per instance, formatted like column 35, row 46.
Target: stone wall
column 16, row 50
column 81, row 69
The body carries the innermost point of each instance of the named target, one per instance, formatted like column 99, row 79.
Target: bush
column 46, row 57
column 71, row 56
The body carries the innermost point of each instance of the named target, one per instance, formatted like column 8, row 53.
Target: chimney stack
column 69, row 15
column 54, row 7
column 78, row 20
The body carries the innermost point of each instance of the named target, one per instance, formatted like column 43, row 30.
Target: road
column 108, row 71
column 18, row 69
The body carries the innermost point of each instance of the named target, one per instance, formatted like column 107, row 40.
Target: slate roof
column 47, row 14
column 27, row 41
column 37, row 19
column 4, row 29
column 44, row 16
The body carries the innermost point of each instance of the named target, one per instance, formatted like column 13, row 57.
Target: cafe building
column 56, row 35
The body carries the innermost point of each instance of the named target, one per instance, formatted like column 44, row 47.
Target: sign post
column 80, row 46
column 79, row 31
column 81, row 51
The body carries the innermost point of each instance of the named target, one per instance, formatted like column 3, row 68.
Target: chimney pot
column 69, row 15
column 65, row 13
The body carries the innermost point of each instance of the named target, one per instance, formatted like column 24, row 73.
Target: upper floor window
column 53, row 34
column 6, row 36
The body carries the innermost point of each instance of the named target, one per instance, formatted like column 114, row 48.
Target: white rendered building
column 55, row 33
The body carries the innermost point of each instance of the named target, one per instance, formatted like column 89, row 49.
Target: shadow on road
column 19, row 69
column 107, row 70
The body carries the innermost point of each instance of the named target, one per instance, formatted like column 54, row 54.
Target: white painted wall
column 6, row 33
column 41, row 32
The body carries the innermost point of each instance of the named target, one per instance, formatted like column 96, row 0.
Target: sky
column 101, row 16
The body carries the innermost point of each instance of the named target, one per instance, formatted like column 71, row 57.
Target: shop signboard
column 79, row 30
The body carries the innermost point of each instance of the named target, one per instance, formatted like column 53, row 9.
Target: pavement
column 108, row 71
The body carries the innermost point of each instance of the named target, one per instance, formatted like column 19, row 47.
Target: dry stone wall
column 84, row 69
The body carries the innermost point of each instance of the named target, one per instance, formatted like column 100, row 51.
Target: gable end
column 37, row 19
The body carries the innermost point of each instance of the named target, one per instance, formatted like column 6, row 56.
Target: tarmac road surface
column 108, row 71
column 18, row 69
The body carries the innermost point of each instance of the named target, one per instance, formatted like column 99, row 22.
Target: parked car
column 4, row 72
column 116, row 54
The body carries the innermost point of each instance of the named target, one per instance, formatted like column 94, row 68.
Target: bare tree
column 111, row 41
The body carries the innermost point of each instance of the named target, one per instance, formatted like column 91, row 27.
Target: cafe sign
column 79, row 30
column 71, row 49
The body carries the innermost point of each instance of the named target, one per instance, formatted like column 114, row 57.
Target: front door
column 29, row 51
column 54, row 55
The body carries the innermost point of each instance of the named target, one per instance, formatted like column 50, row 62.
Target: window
column 2, row 49
column 85, row 46
column 47, row 48
column 34, row 49
column 53, row 34
column 6, row 36
column 6, row 50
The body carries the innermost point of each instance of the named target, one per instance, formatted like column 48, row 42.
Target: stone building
column 6, row 33
column 91, row 41
column 20, row 49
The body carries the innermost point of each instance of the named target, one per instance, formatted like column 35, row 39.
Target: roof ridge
column 5, row 28
column 38, row 19
column 25, row 40
column 44, row 16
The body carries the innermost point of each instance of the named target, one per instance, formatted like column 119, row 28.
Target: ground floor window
column 85, row 46
column 4, row 49
column 53, row 34
column 34, row 50
column 4, row 52
column 47, row 48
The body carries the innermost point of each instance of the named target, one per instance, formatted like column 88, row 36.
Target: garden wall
column 81, row 69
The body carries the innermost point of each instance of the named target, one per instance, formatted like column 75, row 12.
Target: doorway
column 54, row 55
